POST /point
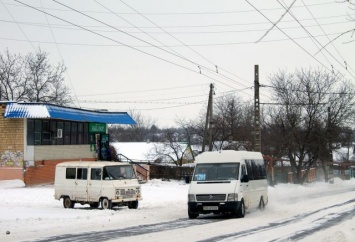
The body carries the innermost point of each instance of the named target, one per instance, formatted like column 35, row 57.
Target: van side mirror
column 245, row 178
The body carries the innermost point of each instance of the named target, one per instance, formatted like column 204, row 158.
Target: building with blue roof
column 35, row 137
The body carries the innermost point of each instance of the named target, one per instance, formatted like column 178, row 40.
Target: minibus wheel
column 106, row 204
column 67, row 203
column 192, row 215
column 261, row 204
column 133, row 205
column 241, row 210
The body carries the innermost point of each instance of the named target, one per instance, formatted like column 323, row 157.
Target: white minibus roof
column 227, row 156
column 90, row 164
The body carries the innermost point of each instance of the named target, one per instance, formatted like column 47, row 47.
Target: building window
column 74, row 133
column 59, row 136
column 56, row 132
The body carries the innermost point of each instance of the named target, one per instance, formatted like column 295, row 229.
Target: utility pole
column 257, row 133
column 330, row 162
column 209, row 122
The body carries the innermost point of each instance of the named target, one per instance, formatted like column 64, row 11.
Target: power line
column 60, row 54
column 192, row 62
column 145, row 91
column 314, row 92
column 103, row 36
column 312, row 56
column 187, row 13
column 313, row 38
column 65, row 26
column 144, row 46
column 171, row 32
column 18, row 25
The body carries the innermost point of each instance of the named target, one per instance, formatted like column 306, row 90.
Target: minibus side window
column 243, row 172
column 95, row 173
column 249, row 170
column 70, row 173
column 256, row 170
column 82, row 174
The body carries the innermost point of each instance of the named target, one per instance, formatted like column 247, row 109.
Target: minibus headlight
column 192, row 198
column 232, row 197
column 117, row 192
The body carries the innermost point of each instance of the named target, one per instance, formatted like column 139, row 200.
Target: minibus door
column 244, row 183
column 95, row 184
column 81, row 182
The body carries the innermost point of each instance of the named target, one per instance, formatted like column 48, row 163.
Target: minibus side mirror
column 245, row 178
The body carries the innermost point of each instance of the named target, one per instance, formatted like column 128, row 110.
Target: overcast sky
column 159, row 57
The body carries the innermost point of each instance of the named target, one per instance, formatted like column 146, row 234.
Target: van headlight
column 191, row 198
column 232, row 197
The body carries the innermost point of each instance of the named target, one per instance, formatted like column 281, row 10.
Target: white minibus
column 227, row 182
column 107, row 183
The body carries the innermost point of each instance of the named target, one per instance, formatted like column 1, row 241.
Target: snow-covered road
column 317, row 212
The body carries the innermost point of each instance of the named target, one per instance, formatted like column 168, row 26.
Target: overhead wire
column 23, row 32
column 65, row 26
column 118, row 41
column 61, row 57
column 144, row 46
column 300, row 46
column 325, row 33
column 194, row 51
column 187, row 13
column 162, row 49
column 316, row 40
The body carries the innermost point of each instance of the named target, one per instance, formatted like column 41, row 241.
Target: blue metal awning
column 50, row 111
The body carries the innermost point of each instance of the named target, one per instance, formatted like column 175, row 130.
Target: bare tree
column 304, row 123
column 32, row 78
column 45, row 82
column 233, row 122
column 173, row 150
column 13, row 85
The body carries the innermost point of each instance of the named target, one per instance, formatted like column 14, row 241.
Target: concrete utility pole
column 257, row 133
column 209, row 121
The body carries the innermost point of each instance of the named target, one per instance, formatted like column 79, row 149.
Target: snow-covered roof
column 45, row 110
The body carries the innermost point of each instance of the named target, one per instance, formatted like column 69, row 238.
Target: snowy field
column 315, row 212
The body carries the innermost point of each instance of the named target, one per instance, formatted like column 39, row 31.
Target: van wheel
column 67, row 203
column 241, row 210
column 94, row 205
column 261, row 204
column 106, row 204
column 192, row 215
column 133, row 205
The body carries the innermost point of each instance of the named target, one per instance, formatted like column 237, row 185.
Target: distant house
column 35, row 137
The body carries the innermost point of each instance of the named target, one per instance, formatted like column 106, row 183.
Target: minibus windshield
column 216, row 171
column 118, row 172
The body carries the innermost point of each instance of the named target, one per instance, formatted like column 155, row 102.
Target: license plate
column 210, row 208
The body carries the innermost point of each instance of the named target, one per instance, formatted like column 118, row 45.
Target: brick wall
column 11, row 173
column 11, row 147
column 43, row 172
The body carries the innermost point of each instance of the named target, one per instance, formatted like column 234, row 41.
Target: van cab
column 98, row 183
column 227, row 182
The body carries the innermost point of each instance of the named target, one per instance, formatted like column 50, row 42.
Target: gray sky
column 159, row 56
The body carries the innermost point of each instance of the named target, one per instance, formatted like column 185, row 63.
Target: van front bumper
column 213, row 207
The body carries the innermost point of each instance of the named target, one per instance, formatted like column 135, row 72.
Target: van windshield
column 216, row 171
column 118, row 172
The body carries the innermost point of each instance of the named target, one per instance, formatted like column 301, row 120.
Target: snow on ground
column 29, row 213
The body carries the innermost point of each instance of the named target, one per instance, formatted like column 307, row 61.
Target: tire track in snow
column 183, row 223
column 331, row 219
column 127, row 232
